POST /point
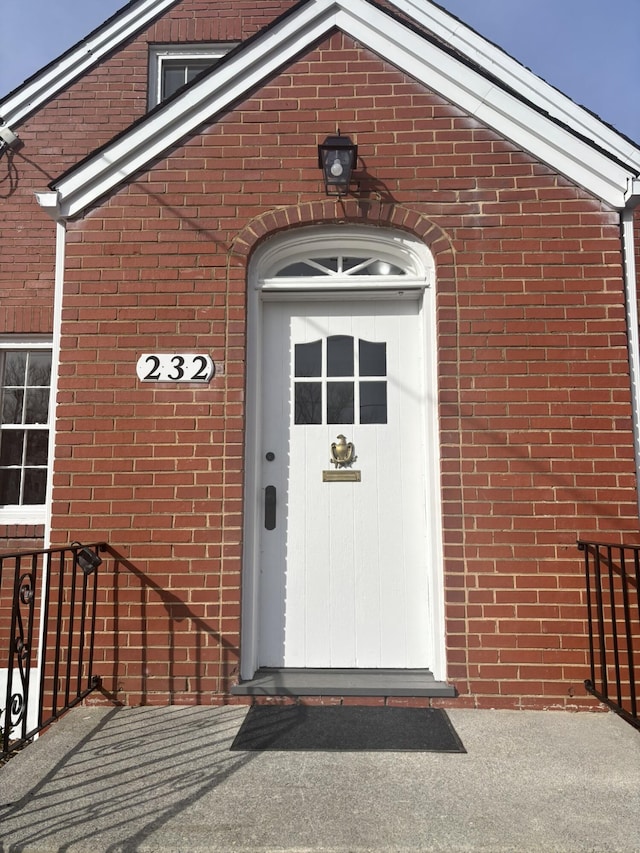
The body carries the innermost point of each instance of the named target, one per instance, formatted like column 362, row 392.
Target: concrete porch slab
column 106, row 780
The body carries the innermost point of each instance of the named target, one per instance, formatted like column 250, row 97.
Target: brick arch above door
column 351, row 212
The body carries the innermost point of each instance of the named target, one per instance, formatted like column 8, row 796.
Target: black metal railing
column 47, row 625
column 612, row 575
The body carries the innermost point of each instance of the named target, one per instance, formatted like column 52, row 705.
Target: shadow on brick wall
column 160, row 648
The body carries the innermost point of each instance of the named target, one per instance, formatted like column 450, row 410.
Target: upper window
column 172, row 66
column 25, row 385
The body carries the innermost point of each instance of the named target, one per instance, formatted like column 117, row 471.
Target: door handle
column 270, row 507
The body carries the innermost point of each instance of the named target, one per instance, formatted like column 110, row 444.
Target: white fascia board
column 407, row 50
column 515, row 75
column 69, row 67
column 478, row 96
column 166, row 127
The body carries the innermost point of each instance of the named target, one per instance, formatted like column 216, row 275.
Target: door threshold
column 343, row 682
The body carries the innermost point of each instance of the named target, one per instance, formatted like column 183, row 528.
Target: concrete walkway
column 163, row 779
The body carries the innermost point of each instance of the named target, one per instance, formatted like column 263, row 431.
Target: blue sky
column 589, row 49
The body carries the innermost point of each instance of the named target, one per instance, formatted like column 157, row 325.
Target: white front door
column 343, row 556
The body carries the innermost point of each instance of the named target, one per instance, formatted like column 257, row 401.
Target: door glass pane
column 373, row 402
column 10, row 485
column 308, row 359
column 35, row 485
column 340, row 358
column 11, row 449
column 339, row 402
column 308, row 403
column 373, row 359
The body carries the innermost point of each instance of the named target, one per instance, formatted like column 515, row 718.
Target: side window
column 25, row 386
column 172, row 66
column 340, row 380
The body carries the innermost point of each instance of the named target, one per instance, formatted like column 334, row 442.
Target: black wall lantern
column 337, row 158
column 87, row 559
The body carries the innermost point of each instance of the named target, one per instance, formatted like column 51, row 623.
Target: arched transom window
column 342, row 258
column 340, row 265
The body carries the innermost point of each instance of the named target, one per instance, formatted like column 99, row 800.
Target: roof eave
column 201, row 101
column 461, row 83
column 516, row 76
column 71, row 65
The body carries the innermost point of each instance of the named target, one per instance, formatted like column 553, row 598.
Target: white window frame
column 29, row 514
column 159, row 54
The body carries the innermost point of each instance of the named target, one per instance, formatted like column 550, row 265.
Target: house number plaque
column 175, row 367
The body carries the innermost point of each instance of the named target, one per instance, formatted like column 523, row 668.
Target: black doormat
column 346, row 728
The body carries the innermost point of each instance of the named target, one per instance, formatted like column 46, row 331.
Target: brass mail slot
column 341, row 476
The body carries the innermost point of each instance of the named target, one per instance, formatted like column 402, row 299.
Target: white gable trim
column 510, row 72
column 525, row 126
column 490, row 104
column 166, row 126
column 60, row 73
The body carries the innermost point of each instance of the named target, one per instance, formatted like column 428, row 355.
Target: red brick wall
column 534, row 388
column 82, row 117
column 21, row 537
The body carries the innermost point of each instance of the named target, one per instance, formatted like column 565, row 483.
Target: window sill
column 23, row 515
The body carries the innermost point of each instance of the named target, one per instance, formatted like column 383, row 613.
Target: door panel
column 343, row 574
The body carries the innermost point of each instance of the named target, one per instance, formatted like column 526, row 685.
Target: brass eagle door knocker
column 342, row 453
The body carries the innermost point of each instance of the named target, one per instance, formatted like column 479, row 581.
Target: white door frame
column 413, row 256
